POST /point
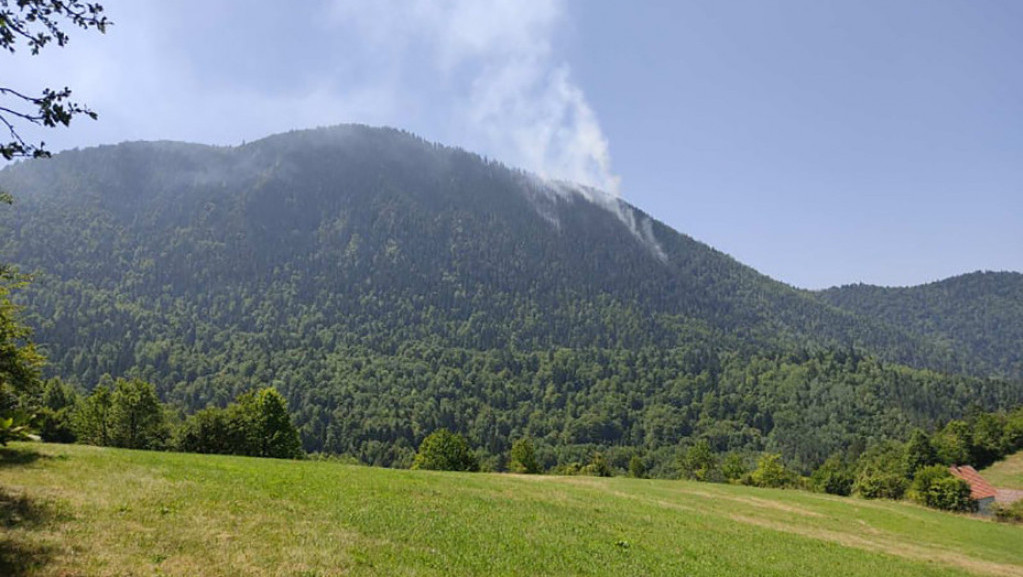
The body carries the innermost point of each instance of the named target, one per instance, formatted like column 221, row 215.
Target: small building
column 980, row 490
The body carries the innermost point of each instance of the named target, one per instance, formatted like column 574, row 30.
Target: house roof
column 979, row 487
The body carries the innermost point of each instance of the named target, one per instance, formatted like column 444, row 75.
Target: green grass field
column 76, row 510
column 1007, row 473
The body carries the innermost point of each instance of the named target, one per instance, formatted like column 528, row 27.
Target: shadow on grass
column 20, row 555
column 15, row 457
column 18, row 559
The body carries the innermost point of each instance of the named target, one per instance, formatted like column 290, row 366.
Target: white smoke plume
column 513, row 98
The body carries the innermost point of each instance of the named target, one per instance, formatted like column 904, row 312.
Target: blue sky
column 820, row 142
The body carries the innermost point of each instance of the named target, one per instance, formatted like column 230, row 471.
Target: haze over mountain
column 389, row 286
column 979, row 313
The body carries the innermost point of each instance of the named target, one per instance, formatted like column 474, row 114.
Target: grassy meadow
column 1007, row 473
column 83, row 511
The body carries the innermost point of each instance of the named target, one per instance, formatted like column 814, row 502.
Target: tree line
column 128, row 413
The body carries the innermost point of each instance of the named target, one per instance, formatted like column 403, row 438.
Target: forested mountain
column 389, row 286
column 980, row 314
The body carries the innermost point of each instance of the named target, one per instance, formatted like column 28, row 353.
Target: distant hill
column 979, row 314
column 389, row 286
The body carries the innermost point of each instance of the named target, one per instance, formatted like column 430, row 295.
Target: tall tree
column 277, row 436
column 92, row 420
column 19, row 364
column 136, row 416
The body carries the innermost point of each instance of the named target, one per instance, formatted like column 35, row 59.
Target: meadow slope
column 1007, row 473
column 76, row 510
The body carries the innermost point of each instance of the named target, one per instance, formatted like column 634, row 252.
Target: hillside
column 422, row 241
column 979, row 313
column 83, row 510
column 1007, row 473
column 389, row 286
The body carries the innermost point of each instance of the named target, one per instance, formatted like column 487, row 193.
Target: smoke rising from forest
column 490, row 70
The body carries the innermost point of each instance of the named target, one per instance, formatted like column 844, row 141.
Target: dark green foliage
column 637, row 468
column 129, row 415
column 953, row 442
column 19, row 365
column 980, row 439
column 523, row 457
column 988, row 439
column 55, row 417
column 699, row 463
column 598, row 466
column 136, row 417
column 273, row 434
column 390, row 287
column 935, row 487
column 979, row 313
column 93, row 419
column 880, row 485
column 919, row 452
column 445, row 451
column 734, row 467
column 834, row 477
column 881, row 472
column 256, row 425
column 213, row 431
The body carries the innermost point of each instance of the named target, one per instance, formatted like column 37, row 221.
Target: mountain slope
column 402, row 228
column 389, row 286
column 980, row 314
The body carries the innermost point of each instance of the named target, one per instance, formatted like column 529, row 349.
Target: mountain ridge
column 389, row 286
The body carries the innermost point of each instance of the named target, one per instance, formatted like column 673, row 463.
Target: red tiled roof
column 979, row 488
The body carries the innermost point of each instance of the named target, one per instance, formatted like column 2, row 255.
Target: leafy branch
column 37, row 23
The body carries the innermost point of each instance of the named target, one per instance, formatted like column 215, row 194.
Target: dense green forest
column 979, row 313
column 389, row 287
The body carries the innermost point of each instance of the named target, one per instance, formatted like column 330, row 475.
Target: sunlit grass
column 115, row 512
column 1007, row 473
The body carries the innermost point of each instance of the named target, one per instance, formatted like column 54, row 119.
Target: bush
column 734, row 467
column 443, row 450
column 598, row 467
column 699, row 463
column 257, row 425
column 935, row 487
column 771, row 472
column 881, row 485
column 56, row 426
column 1010, row 513
column 523, row 457
column 833, row 477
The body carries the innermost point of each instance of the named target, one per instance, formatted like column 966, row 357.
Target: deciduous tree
column 35, row 24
